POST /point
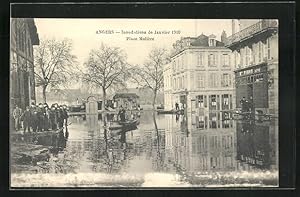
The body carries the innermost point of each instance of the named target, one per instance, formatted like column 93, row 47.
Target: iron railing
column 251, row 30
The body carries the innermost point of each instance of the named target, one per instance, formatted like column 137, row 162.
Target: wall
column 22, row 90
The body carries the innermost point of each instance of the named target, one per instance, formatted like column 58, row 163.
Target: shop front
column 252, row 83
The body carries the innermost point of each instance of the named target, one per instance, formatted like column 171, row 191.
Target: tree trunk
column 103, row 98
column 154, row 99
column 44, row 93
column 159, row 159
column 104, row 115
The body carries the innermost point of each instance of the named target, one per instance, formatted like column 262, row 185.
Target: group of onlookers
column 41, row 117
column 247, row 105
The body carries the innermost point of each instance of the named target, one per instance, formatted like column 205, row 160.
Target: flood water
column 164, row 151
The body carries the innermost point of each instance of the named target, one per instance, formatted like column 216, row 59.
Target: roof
column 125, row 95
column 193, row 42
column 202, row 40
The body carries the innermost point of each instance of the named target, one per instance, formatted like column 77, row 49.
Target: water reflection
column 184, row 145
column 254, row 144
column 190, row 143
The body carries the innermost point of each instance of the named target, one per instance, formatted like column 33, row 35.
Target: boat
column 127, row 125
column 170, row 111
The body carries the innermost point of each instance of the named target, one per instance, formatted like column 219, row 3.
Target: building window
column 174, row 84
column 225, row 60
column 268, row 49
column 254, row 53
column 213, row 80
column 225, row 101
column 213, row 100
column 212, row 42
column 200, row 80
column 225, row 82
column 174, row 65
column 211, row 60
column 182, row 62
column 200, row 59
column 192, row 80
column 236, row 59
column 180, row 85
column 248, row 55
column 260, row 52
column 242, row 57
column 201, row 101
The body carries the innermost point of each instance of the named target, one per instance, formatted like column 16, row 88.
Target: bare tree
column 106, row 68
column 53, row 60
column 150, row 74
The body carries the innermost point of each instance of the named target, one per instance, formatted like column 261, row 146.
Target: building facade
column 168, row 94
column 201, row 75
column 254, row 44
column 22, row 85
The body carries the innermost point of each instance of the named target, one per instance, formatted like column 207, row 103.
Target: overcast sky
column 83, row 33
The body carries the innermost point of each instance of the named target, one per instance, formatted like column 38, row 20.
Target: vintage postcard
column 139, row 103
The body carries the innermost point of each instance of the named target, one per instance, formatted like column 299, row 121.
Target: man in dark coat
column 26, row 118
column 52, row 117
column 65, row 115
column 32, row 110
column 176, row 106
column 122, row 113
column 41, row 113
column 46, row 117
column 60, row 117
column 17, row 113
column 34, row 120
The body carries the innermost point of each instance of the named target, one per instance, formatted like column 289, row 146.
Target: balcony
column 263, row 27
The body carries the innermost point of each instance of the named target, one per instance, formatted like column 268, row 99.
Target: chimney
column 223, row 37
column 235, row 25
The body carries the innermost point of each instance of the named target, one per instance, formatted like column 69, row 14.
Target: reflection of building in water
column 207, row 148
column 76, row 148
column 200, row 75
column 211, row 120
column 256, row 144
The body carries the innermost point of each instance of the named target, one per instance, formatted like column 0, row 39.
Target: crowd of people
column 248, row 108
column 41, row 117
column 247, row 105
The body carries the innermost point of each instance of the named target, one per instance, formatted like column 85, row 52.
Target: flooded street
column 165, row 150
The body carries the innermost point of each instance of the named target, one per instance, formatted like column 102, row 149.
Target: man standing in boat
column 176, row 106
column 122, row 113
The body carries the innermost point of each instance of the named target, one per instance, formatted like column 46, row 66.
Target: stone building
column 255, row 55
column 22, row 85
column 202, row 74
column 168, row 94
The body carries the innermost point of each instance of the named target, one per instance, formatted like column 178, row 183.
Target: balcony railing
column 251, row 30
